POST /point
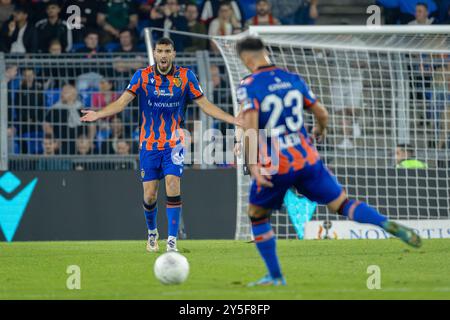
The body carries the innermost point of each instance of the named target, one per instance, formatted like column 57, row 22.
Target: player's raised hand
column 261, row 180
column 89, row 116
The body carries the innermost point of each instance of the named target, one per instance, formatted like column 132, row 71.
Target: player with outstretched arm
column 163, row 90
column 273, row 99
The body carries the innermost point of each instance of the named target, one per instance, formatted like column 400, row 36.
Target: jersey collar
column 265, row 68
column 171, row 71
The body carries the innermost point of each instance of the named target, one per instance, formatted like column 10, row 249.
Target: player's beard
column 165, row 67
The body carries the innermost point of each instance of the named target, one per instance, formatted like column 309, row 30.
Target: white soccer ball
column 171, row 268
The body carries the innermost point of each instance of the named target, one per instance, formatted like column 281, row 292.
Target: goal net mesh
column 388, row 96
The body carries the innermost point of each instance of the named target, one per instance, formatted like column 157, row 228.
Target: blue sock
column 150, row 212
column 266, row 244
column 173, row 215
column 362, row 213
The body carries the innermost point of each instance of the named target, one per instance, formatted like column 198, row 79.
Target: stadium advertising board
column 427, row 229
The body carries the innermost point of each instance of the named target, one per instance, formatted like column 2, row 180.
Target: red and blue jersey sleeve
column 309, row 98
column 135, row 83
column 195, row 91
column 246, row 99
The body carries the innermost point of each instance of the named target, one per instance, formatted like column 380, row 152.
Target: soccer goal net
column 387, row 91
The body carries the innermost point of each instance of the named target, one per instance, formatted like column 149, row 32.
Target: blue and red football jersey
column 280, row 98
column 162, row 99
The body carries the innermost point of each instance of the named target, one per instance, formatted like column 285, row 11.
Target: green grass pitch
column 327, row 269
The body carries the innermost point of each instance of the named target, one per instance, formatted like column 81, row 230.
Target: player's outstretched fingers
column 89, row 116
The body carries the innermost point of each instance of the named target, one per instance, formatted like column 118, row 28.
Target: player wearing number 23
column 274, row 99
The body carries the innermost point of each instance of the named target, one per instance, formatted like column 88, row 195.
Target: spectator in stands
column 405, row 158
column 408, row 9
column 422, row 15
column 62, row 120
column 55, row 48
column 91, row 44
column 168, row 16
column 221, row 97
column 116, row 15
column 347, row 89
column 123, row 147
column 224, row 24
column 143, row 8
column 263, row 15
column 54, row 75
column 84, row 147
column 117, row 133
column 391, row 10
column 293, row 12
column 194, row 26
column 444, row 12
column 49, row 162
column 6, row 10
column 105, row 96
column 127, row 42
column 89, row 11
column 38, row 10
column 50, row 145
column 210, row 10
column 100, row 100
column 29, row 107
column 53, row 28
column 17, row 34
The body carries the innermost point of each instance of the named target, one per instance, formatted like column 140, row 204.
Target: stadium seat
column 77, row 46
column 51, row 97
column 86, row 96
column 34, row 142
column 112, row 46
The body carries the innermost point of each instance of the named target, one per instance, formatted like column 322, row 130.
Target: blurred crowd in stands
column 415, row 12
column 46, row 101
column 29, row 26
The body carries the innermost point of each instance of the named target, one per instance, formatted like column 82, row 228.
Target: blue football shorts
column 156, row 164
column 315, row 182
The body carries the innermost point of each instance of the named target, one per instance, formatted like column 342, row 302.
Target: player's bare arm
column 251, row 124
column 321, row 116
column 110, row 110
column 214, row 111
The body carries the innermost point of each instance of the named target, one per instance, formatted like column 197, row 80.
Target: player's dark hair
column 165, row 41
column 249, row 44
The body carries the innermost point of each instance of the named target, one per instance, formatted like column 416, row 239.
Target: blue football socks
column 266, row 243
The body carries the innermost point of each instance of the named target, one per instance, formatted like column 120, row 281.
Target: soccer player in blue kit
column 273, row 99
column 163, row 91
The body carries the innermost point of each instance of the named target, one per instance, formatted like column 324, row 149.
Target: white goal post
column 387, row 89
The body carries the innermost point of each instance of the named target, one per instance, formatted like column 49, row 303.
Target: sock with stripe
column 150, row 212
column 360, row 212
column 266, row 245
column 173, row 215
